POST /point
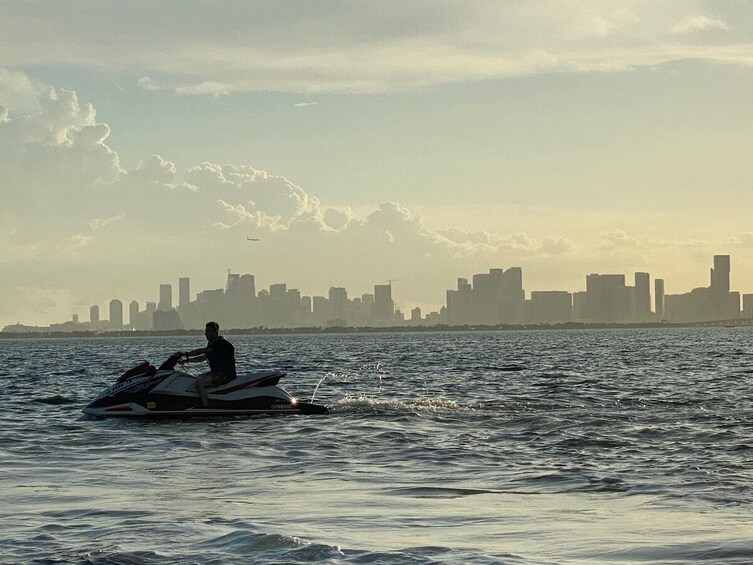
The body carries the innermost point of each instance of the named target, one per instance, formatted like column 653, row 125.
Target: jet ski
column 165, row 392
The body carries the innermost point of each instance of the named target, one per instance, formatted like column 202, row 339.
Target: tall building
column 247, row 287
column 720, row 273
column 483, row 305
column 459, row 303
column 94, row 317
column 580, row 306
column 642, row 297
column 497, row 297
column 278, row 291
column 319, row 311
column 721, row 306
column 551, row 307
column 233, row 284
column 512, row 297
column 338, row 302
column 165, row 298
column 384, row 307
column 659, row 299
column 415, row 315
column 608, row 299
column 184, row 291
column 133, row 314
column 116, row 314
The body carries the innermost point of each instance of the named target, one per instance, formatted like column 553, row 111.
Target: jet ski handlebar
column 171, row 361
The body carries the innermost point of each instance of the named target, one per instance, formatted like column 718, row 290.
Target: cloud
column 56, row 165
column 17, row 91
column 363, row 46
column 557, row 246
column 338, row 218
column 80, row 240
column 699, row 23
column 155, row 170
column 617, row 238
column 269, row 199
column 99, row 223
column 207, row 87
column 146, row 83
column 742, row 240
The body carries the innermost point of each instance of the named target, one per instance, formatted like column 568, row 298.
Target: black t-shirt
column 221, row 357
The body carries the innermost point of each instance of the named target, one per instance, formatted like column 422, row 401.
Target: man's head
column 211, row 330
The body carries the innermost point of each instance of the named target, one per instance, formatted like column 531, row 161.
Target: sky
column 362, row 142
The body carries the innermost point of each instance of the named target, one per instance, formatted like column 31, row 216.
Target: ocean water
column 608, row 446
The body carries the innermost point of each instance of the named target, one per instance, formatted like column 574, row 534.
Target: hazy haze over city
column 361, row 142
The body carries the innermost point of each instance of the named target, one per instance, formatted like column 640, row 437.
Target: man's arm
column 196, row 358
column 193, row 356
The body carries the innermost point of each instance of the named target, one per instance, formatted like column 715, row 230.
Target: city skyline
column 384, row 141
column 494, row 298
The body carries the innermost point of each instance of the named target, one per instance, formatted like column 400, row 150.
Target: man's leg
column 203, row 381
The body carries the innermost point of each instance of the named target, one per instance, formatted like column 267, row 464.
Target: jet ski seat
column 144, row 368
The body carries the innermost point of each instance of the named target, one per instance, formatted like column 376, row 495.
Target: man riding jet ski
column 219, row 353
column 167, row 392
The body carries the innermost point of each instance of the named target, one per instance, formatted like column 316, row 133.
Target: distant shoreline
column 362, row 330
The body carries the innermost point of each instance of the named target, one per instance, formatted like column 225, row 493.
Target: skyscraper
column 277, row 291
column 338, row 301
column 659, row 299
column 720, row 273
column 94, row 317
column 642, row 297
column 165, row 297
column 551, row 306
column 720, row 297
column 184, row 291
column 133, row 314
column 116, row 314
column 248, row 287
column 233, row 284
column 384, row 307
column 512, row 296
column 607, row 299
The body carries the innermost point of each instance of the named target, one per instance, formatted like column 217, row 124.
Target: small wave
column 245, row 540
column 733, row 551
column 438, row 492
column 245, row 543
column 54, row 400
column 509, row 368
column 118, row 557
column 742, row 447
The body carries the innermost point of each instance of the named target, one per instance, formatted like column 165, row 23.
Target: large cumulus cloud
column 55, row 155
